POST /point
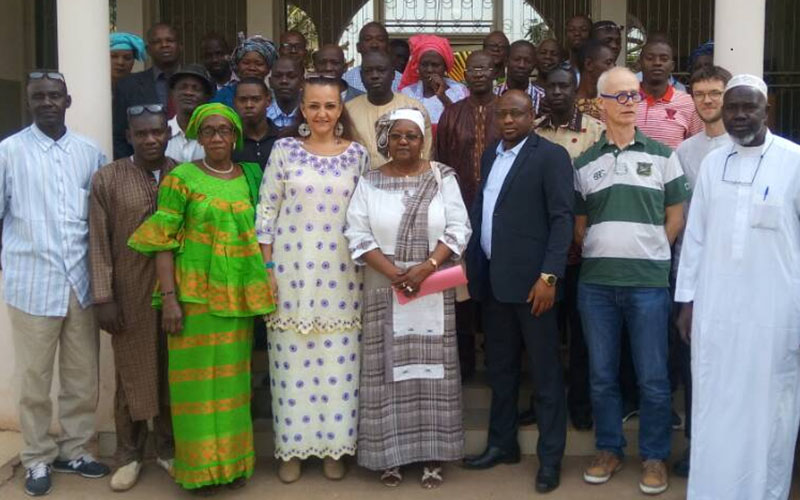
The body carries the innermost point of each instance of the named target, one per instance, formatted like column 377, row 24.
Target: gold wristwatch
column 549, row 279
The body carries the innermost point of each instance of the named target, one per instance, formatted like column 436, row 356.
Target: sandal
column 391, row 477
column 431, row 476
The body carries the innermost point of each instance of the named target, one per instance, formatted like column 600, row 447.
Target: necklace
column 221, row 172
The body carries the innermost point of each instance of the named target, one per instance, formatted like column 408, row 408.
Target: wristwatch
column 549, row 279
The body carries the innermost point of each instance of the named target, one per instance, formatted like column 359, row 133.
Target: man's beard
column 745, row 140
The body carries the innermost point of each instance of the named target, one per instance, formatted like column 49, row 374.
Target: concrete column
column 739, row 27
column 84, row 60
column 130, row 19
column 265, row 18
column 617, row 11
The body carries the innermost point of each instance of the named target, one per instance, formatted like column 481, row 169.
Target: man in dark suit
column 522, row 222
column 146, row 87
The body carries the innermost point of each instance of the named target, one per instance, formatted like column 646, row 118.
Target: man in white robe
column 740, row 277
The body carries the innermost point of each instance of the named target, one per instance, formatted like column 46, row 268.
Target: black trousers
column 466, row 325
column 578, row 397
column 507, row 327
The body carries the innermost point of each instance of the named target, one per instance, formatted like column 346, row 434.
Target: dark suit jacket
column 532, row 225
column 137, row 88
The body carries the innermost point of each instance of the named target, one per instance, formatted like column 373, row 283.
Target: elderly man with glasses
column 629, row 210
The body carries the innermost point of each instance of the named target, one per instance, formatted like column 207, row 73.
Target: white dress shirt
column 45, row 211
column 494, row 183
column 180, row 148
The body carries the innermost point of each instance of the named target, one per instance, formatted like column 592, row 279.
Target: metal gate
column 194, row 18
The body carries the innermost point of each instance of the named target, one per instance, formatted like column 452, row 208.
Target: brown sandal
column 432, row 476
column 391, row 477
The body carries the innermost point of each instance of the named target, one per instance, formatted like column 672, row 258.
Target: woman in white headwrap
column 405, row 220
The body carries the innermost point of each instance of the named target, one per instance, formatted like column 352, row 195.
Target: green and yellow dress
column 221, row 282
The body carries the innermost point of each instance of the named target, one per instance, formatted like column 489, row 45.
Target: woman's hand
column 438, row 85
column 172, row 315
column 411, row 281
column 273, row 283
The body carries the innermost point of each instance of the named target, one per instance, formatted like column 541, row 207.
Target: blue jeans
column 645, row 311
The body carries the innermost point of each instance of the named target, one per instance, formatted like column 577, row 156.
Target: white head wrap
column 410, row 114
column 745, row 80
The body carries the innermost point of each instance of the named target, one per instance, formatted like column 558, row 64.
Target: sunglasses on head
column 52, row 75
column 150, row 108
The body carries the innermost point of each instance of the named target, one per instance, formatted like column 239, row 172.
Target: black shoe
column 681, row 467
column 582, row 421
column 37, row 480
column 548, row 478
column 629, row 414
column 85, row 465
column 491, row 457
column 677, row 422
column 527, row 417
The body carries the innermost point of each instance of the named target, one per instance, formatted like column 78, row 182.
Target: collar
column 272, row 132
column 754, row 150
column 513, row 151
column 157, row 73
column 574, row 124
column 46, row 143
column 639, row 141
column 279, row 112
column 175, row 129
column 651, row 101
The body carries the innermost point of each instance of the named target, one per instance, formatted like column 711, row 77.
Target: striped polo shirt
column 624, row 193
column 670, row 119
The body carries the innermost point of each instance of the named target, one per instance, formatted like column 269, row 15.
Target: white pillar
column 739, row 27
column 84, row 60
column 265, row 18
column 617, row 11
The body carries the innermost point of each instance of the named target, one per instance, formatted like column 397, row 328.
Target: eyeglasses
column 52, row 75
column 515, row 113
column 755, row 173
column 623, row 97
column 292, row 46
column 478, row 70
column 150, row 108
column 397, row 137
column 209, row 132
column 714, row 95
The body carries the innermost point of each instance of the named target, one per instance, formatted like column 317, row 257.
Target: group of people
column 250, row 192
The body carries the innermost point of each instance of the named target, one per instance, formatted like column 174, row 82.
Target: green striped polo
column 624, row 193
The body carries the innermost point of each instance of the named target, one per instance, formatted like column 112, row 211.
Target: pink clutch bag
column 436, row 282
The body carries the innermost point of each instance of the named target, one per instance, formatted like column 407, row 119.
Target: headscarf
column 705, row 49
column 386, row 122
column 255, row 43
column 128, row 41
column 420, row 44
column 211, row 109
column 745, row 80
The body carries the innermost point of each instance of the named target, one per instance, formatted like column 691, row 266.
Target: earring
column 339, row 129
column 304, row 130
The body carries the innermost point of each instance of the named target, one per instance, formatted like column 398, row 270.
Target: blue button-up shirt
column 44, row 205
column 494, row 183
column 278, row 117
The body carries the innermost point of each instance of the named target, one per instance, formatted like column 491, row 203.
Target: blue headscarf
column 702, row 50
column 127, row 41
column 257, row 44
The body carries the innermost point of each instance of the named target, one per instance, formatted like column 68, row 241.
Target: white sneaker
column 166, row 464
column 126, row 476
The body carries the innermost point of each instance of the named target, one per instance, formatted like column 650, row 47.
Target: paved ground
column 506, row 482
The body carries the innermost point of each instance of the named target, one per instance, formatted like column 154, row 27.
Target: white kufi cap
column 745, row 80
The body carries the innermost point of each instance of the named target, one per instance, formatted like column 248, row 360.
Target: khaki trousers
column 35, row 341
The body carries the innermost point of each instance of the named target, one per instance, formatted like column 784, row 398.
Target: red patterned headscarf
column 420, row 44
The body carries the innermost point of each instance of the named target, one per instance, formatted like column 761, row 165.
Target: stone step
column 10, row 445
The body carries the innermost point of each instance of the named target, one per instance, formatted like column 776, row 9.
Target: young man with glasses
column 738, row 279
column 45, row 172
column 465, row 129
column 629, row 210
column 708, row 86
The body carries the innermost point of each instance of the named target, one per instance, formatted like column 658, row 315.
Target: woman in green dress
column 212, row 281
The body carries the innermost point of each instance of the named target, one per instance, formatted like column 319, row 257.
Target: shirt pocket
column 79, row 205
column 766, row 214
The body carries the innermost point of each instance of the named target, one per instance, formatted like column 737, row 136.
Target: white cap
column 745, row 80
column 410, row 114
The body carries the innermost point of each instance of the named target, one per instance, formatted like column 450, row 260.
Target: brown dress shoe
column 603, row 466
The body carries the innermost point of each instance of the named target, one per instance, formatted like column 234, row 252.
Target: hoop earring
column 339, row 129
column 304, row 130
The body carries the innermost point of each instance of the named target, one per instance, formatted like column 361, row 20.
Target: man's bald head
column 329, row 60
column 514, row 117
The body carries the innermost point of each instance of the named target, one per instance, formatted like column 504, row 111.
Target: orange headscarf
column 420, row 44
